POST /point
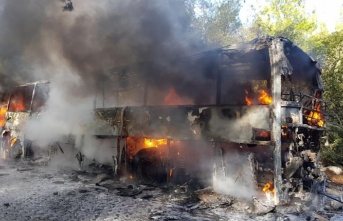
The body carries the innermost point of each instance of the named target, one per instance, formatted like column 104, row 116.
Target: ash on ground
column 37, row 191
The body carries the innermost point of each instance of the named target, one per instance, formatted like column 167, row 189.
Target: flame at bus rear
column 315, row 118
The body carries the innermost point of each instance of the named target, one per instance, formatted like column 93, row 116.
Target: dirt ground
column 36, row 191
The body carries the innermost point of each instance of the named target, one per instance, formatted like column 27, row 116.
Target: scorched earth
column 46, row 191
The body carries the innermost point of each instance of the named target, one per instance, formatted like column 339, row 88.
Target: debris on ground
column 45, row 193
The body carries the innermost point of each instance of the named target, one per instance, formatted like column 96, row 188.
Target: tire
column 16, row 150
column 148, row 167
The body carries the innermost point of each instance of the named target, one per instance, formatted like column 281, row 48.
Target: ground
column 36, row 191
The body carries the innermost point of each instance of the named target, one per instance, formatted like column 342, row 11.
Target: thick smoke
column 37, row 38
column 76, row 51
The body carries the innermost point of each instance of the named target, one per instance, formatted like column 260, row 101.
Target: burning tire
column 148, row 167
column 15, row 149
column 10, row 147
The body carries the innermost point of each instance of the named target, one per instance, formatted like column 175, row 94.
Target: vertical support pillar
column 121, row 155
column 276, row 54
column 123, row 161
column 119, row 152
column 214, row 155
column 33, row 97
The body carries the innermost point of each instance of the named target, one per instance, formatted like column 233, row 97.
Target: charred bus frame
column 285, row 145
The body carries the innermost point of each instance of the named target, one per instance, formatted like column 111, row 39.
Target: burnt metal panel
column 291, row 113
column 228, row 123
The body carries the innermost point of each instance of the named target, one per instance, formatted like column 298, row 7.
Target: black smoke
column 38, row 40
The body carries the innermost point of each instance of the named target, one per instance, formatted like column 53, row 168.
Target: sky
column 328, row 11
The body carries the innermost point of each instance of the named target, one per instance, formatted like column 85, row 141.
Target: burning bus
column 261, row 99
column 17, row 106
column 251, row 113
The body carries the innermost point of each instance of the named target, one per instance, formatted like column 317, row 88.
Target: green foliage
column 286, row 18
column 333, row 154
column 329, row 50
column 217, row 23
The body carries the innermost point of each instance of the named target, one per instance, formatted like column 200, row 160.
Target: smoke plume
column 38, row 36
column 77, row 50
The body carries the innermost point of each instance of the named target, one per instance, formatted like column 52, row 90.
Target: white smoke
column 239, row 128
column 63, row 114
column 238, row 180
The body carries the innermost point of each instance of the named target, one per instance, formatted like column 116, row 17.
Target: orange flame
column 172, row 98
column 264, row 98
column 3, row 110
column 268, row 189
column 284, row 131
column 247, row 100
column 261, row 134
column 134, row 144
column 13, row 141
column 148, row 143
column 315, row 118
column 170, row 172
column 17, row 103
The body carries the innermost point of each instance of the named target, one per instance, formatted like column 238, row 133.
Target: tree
column 285, row 18
column 329, row 50
column 217, row 23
